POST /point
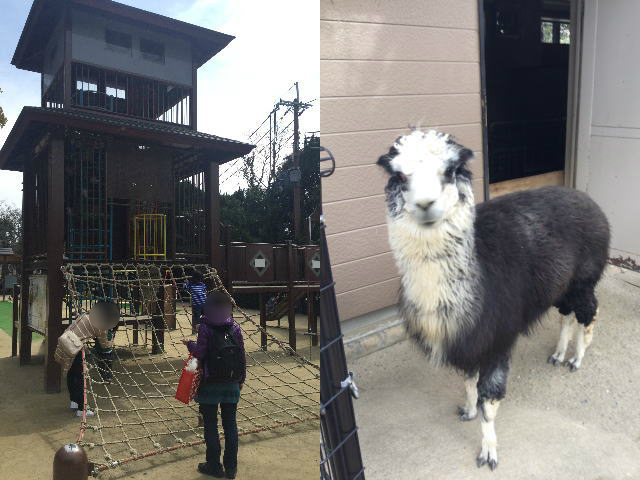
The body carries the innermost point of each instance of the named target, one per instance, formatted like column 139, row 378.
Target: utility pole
column 297, row 186
column 295, row 174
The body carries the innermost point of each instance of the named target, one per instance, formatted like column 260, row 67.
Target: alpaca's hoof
column 465, row 416
column 487, row 459
column 554, row 360
column 573, row 364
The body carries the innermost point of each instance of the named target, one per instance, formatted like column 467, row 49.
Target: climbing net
column 131, row 391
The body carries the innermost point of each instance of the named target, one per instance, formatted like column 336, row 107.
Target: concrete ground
column 553, row 424
column 33, row 425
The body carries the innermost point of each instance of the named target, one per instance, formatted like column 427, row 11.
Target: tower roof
column 45, row 14
column 34, row 122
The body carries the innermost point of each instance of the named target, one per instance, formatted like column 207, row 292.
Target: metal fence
column 340, row 457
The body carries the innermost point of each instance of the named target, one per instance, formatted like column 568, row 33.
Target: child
column 220, row 349
column 198, row 291
column 98, row 324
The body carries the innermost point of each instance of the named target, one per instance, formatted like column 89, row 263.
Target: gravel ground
column 553, row 424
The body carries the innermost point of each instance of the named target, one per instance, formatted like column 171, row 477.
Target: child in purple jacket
column 219, row 385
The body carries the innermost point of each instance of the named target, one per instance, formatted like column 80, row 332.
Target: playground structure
column 136, row 414
column 115, row 171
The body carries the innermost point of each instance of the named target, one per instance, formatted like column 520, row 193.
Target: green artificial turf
column 6, row 315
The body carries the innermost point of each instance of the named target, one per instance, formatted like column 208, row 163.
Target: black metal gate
column 340, row 457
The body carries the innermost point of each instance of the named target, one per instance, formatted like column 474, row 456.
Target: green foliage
column 265, row 214
column 3, row 118
column 10, row 227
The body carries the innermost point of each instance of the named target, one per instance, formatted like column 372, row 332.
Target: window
column 118, row 41
column 86, row 86
column 555, row 31
column 151, row 50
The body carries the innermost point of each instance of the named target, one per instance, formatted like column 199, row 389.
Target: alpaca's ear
column 464, row 155
column 385, row 160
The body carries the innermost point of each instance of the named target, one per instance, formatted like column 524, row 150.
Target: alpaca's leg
column 489, row 453
column 583, row 340
column 470, row 410
column 492, row 387
column 568, row 326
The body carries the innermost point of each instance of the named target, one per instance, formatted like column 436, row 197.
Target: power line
column 270, row 139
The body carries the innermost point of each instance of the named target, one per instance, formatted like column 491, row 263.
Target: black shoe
column 213, row 470
column 230, row 474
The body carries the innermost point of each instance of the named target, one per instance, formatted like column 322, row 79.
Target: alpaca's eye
column 448, row 173
column 402, row 177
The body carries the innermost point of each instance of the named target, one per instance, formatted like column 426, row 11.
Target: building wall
column 608, row 159
column 386, row 65
column 89, row 45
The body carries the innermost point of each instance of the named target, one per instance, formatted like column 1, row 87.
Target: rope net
column 132, row 390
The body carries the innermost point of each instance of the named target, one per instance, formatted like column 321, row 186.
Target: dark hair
column 217, row 299
column 106, row 312
column 196, row 277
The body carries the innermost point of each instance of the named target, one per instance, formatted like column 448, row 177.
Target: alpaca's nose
column 424, row 205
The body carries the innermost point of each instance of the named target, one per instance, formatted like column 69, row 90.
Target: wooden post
column 55, row 250
column 312, row 318
column 194, row 99
column 157, row 339
column 157, row 320
column 70, row 463
column 263, row 323
column 170, row 305
column 15, row 320
column 290, row 300
column 228, row 282
column 212, row 212
column 28, row 182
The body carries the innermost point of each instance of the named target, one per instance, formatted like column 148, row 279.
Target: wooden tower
column 114, row 139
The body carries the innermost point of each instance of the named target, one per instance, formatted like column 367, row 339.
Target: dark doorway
column 526, row 52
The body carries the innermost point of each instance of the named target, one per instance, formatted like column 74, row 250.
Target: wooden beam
column 263, row 322
column 526, row 183
column 14, row 320
column 290, row 298
column 55, row 250
column 28, row 185
column 312, row 318
column 212, row 212
column 194, row 99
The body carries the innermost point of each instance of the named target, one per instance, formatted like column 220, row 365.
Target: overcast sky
column 277, row 43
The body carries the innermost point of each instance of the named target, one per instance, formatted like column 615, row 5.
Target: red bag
column 189, row 382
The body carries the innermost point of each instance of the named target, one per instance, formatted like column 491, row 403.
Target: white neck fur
column 439, row 273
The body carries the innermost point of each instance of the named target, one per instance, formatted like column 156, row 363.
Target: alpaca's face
column 426, row 171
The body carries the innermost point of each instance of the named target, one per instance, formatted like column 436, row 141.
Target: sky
column 277, row 43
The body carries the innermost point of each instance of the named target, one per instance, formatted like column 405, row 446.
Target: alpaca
column 473, row 278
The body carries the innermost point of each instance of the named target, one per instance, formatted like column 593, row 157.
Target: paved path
column 554, row 424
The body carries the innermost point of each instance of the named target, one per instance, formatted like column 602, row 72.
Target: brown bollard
column 70, row 463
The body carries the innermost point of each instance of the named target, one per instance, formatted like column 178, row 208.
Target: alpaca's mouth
column 427, row 223
column 427, row 220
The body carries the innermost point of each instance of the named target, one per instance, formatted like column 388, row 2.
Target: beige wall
column 608, row 157
column 385, row 65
